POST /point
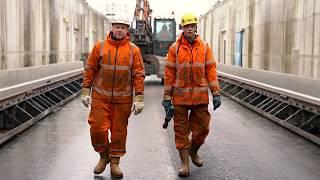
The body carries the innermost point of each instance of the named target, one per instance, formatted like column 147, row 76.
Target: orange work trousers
column 195, row 122
column 109, row 116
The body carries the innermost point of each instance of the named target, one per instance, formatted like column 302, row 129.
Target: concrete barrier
column 22, row 75
column 302, row 85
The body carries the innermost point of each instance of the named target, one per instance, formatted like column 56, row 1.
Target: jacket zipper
column 114, row 73
column 191, row 74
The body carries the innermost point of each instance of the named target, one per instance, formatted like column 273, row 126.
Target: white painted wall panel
column 40, row 32
column 279, row 35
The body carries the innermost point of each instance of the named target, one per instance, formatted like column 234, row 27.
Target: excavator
column 155, row 41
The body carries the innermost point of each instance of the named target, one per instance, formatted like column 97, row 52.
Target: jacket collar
column 120, row 42
column 183, row 41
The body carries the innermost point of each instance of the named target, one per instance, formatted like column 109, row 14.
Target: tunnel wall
column 280, row 36
column 42, row 32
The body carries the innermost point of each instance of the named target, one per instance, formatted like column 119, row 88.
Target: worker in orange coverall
column 114, row 79
column 190, row 71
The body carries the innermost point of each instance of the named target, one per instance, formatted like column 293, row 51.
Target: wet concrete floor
column 241, row 145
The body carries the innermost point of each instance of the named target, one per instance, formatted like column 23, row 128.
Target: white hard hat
column 120, row 20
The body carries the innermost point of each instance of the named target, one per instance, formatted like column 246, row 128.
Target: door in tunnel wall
column 238, row 48
column 2, row 35
column 222, row 48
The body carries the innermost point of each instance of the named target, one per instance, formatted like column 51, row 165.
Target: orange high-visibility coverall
column 190, row 71
column 112, row 79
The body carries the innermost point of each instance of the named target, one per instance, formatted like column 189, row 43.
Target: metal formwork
column 297, row 112
column 23, row 110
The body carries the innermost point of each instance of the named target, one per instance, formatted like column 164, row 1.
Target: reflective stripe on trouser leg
column 200, row 120
column 119, row 123
column 181, row 127
column 99, row 120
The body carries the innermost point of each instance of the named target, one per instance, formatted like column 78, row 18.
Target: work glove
column 169, row 109
column 85, row 97
column 167, row 105
column 216, row 101
column 138, row 104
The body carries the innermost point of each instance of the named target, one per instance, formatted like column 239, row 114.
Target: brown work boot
column 184, row 156
column 194, row 155
column 104, row 160
column 115, row 169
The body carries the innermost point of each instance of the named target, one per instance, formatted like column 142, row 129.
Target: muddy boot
column 114, row 168
column 194, row 155
column 184, row 156
column 104, row 160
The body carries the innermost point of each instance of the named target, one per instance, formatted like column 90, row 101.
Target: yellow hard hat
column 189, row 18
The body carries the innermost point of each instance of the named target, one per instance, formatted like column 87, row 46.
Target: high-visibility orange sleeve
column 92, row 66
column 169, row 73
column 211, row 72
column 138, row 73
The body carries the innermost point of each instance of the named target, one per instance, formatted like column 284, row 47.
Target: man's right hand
column 216, row 100
column 169, row 109
column 166, row 104
column 85, row 97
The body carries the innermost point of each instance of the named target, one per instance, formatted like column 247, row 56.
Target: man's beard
column 116, row 38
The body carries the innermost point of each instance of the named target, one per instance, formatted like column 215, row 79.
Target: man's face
column 189, row 30
column 119, row 30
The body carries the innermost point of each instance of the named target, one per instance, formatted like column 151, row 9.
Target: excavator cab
column 164, row 35
column 154, row 44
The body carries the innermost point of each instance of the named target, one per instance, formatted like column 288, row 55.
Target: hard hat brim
column 120, row 23
column 189, row 23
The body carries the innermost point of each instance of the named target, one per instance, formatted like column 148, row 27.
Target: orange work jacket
column 118, row 72
column 190, row 71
